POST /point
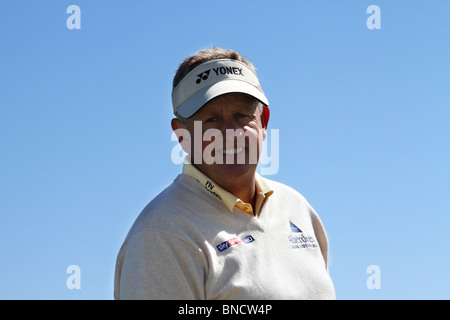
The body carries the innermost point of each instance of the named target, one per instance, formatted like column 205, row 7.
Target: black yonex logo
column 228, row 70
column 203, row 76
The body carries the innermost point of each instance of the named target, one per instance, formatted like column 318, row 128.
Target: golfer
column 220, row 230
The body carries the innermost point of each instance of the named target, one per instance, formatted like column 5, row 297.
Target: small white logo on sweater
column 300, row 240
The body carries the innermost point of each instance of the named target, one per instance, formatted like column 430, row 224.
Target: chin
column 235, row 170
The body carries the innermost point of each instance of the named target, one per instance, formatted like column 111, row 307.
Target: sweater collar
column 263, row 189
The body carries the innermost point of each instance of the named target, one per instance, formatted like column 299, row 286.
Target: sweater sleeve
column 321, row 235
column 158, row 265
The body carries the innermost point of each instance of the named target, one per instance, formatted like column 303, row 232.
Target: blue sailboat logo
column 294, row 228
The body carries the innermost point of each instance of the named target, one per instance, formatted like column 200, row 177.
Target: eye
column 211, row 119
column 243, row 117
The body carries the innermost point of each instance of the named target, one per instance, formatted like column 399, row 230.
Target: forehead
column 229, row 102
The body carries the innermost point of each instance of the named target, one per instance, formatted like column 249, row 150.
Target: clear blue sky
column 363, row 117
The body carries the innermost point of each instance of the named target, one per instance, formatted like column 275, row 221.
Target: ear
column 183, row 135
column 265, row 115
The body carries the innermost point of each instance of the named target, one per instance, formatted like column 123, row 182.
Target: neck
column 240, row 183
column 244, row 189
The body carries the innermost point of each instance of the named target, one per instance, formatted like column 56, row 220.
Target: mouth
column 231, row 152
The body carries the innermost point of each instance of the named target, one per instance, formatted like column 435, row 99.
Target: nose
column 233, row 134
column 231, row 124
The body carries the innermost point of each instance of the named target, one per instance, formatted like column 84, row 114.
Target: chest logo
column 234, row 241
column 299, row 240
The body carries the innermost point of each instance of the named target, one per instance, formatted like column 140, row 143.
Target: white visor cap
column 212, row 79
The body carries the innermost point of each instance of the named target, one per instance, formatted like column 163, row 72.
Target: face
column 226, row 136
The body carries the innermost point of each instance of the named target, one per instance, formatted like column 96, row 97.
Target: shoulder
column 292, row 200
column 286, row 193
column 174, row 207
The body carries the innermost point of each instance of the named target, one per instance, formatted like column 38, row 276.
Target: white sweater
column 186, row 244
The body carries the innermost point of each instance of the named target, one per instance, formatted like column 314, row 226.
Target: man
column 220, row 230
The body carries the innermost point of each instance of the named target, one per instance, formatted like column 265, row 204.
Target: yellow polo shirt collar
column 263, row 190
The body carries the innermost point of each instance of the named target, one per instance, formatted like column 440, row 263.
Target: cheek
column 206, row 144
column 254, row 131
